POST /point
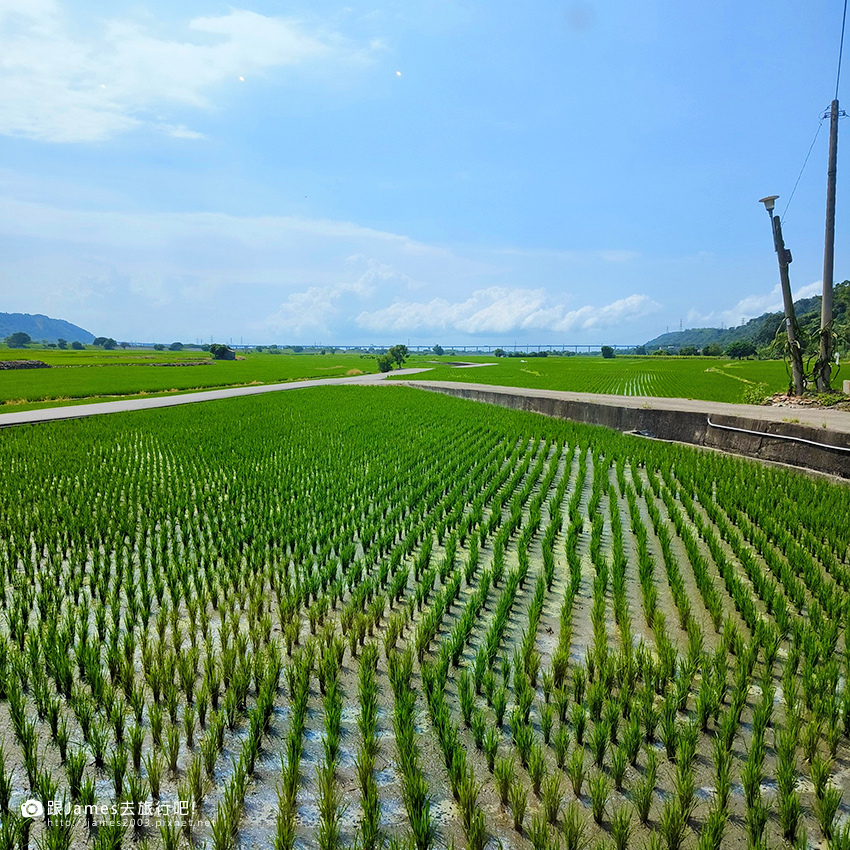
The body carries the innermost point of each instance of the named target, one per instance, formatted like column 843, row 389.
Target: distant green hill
column 760, row 331
column 42, row 328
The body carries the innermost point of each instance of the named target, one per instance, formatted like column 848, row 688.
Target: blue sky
column 427, row 171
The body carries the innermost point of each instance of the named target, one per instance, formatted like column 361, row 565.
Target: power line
column 840, row 49
column 817, row 132
column 811, row 147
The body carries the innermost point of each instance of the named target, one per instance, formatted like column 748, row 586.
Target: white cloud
column 751, row 306
column 181, row 132
column 150, row 230
column 174, row 275
column 499, row 310
column 58, row 87
column 319, row 308
column 809, row 290
column 623, row 310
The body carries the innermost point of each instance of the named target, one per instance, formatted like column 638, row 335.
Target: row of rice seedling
column 774, row 592
column 416, row 794
column 367, row 721
column 298, row 674
column 716, row 817
column 561, row 655
column 154, row 686
column 816, row 638
column 455, row 641
column 472, row 682
column 156, row 574
column 818, row 581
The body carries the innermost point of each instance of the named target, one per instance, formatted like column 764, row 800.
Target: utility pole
column 825, row 359
column 784, row 257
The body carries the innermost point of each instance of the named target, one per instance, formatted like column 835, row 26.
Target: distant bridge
column 554, row 348
column 468, row 348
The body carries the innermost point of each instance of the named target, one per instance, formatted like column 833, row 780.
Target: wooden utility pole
column 825, row 359
column 784, row 256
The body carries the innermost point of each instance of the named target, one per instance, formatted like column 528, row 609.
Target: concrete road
column 78, row 411
column 823, row 418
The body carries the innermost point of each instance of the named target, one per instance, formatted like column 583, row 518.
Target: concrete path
column 834, row 420
column 78, row 411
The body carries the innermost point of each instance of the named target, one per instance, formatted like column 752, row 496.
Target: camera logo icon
column 32, row 809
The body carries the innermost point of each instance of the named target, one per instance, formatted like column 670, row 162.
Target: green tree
column 499, row 352
column 641, row 350
column 385, row 362
column 841, row 315
column 62, row 343
column 398, row 354
column 607, row 352
column 740, row 350
column 712, row 350
column 438, row 350
column 18, row 340
column 77, row 345
column 688, row 351
column 841, row 300
column 175, row 346
column 219, row 351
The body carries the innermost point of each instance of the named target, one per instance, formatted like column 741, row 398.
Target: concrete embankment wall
column 788, row 443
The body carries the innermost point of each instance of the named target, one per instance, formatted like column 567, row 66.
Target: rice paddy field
column 96, row 374
column 102, row 356
column 363, row 617
column 89, row 375
column 707, row 378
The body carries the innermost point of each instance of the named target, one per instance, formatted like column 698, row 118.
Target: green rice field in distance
column 77, row 375
column 367, row 617
column 707, row 378
column 102, row 357
column 94, row 374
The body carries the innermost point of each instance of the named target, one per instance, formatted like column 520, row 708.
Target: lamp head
column 769, row 203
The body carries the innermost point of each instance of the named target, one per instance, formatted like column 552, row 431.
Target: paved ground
column 831, row 420
column 77, row 411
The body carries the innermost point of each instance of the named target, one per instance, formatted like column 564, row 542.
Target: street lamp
column 784, row 257
column 769, row 203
